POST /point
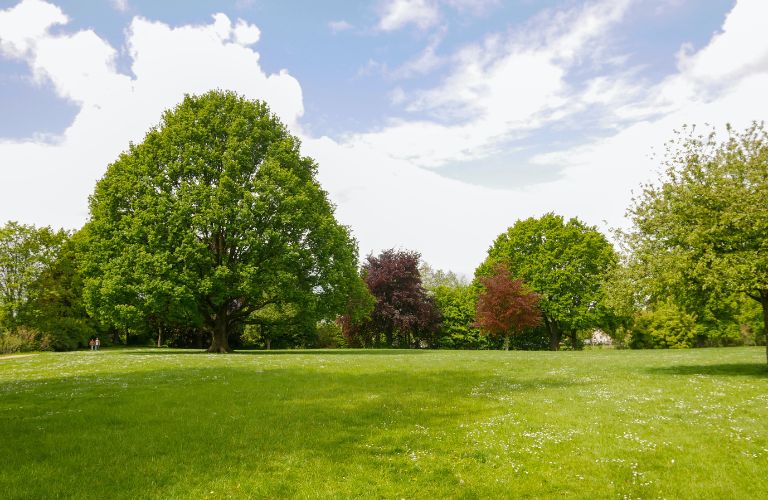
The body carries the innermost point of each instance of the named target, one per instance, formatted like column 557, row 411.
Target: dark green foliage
column 59, row 311
column 211, row 221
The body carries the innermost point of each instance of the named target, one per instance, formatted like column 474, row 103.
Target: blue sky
column 436, row 123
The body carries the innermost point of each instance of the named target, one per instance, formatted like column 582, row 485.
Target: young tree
column 458, row 328
column 403, row 312
column 565, row 263
column 212, row 218
column 704, row 225
column 505, row 307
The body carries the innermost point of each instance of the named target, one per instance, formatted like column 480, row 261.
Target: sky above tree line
column 435, row 123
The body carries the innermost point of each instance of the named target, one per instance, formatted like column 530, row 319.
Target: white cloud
column 500, row 89
column 723, row 82
column 739, row 49
column 246, row 34
column 49, row 183
column 120, row 5
column 339, row 26
column 397, row 14
column 427, row 61
column 23, row 25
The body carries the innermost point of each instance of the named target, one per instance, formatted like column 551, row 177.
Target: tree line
column 215, row 233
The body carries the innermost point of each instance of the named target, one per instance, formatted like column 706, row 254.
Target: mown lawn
column 394, row 424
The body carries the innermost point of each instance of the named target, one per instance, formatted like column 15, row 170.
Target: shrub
column 23, row 339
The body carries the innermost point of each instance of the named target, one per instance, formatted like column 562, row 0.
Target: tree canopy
column 505, row 306
column 26, row 252
column 565, row 263
column 212, row 219
column 403, row 312
column 703, row 226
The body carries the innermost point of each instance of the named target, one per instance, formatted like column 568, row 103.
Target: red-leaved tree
column 506, row 306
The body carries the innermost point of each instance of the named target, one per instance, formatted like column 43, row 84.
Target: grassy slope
column 159, row 423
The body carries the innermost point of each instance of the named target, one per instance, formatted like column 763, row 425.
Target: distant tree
column 458, row 329
column 565, row 263
column 403, row 313
column 703, row 227
column 26, row 253
column 433, row 278
column 57, row 308
column 505, row 307
column 214, row 217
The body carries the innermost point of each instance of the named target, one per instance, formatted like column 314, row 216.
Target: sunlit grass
column 395, row 424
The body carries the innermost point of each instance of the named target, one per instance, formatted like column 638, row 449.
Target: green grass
column 394, row 424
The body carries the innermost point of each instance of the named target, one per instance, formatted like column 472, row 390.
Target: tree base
column 220, row 349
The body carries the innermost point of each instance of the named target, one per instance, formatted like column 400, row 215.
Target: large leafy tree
column 26, row 252
column 212, row 219
column 565, row 262
column 505, row 306
column 702, row 229
column 403, row 312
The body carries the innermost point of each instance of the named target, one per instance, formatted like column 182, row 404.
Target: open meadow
column 385, row 423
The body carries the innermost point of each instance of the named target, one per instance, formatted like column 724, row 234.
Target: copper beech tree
column 505, row 306
column 404, row 314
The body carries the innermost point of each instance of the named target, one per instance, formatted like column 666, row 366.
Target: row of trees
column 215, row 232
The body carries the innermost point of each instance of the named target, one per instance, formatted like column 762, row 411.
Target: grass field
column 395, row 424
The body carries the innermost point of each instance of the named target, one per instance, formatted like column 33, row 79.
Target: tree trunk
column 554, row 334
column 159, row 336
column 764, row 303
column 220, row 340
column 506, row 342
column 574, row 340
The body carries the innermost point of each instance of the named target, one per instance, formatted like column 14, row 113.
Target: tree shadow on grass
column 255, row 352
column 759, row 370
column 218, row 425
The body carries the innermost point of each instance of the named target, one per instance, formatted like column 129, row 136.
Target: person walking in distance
column 92, row 344
column 97, row 343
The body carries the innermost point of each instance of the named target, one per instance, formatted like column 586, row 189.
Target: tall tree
column 403, row 311
column 214, row 217
column 705, row 223
column 565, row 263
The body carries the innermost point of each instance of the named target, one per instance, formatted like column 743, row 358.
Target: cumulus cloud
column 397, row 14
column 37, row 17
column 49, row 183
